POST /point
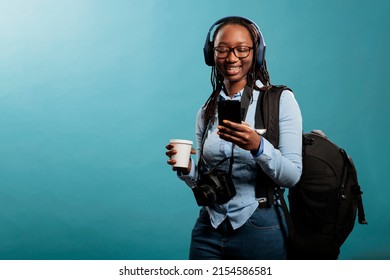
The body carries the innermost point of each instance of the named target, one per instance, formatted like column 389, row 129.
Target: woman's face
column 233, row 69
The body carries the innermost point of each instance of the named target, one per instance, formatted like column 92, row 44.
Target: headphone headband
column 208, row 48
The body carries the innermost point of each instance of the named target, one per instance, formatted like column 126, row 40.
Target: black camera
column 214, row 187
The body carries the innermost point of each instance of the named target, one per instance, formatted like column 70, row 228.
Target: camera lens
column 209, row 193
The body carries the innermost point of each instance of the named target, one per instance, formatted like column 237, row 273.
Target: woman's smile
column 232, row 70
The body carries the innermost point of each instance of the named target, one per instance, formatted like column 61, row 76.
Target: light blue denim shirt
column 283, row 164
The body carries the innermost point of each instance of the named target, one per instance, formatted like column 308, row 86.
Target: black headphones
column 208, row 47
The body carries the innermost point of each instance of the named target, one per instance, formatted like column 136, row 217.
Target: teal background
column 91, row 92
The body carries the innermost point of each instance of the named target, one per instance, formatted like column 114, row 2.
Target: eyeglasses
column 239, row 52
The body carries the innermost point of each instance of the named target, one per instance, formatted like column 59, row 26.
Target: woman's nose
column 231, row 57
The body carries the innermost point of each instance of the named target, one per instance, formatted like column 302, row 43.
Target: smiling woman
column 239, row 217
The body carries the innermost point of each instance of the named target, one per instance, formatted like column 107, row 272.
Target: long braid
column 211, row 103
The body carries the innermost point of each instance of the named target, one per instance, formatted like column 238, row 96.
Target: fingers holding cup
column 180, row 152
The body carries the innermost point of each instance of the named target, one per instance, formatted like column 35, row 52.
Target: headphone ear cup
column 208, row 54
column 260, row 55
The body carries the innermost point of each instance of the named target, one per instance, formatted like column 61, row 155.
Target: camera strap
column 202, row 163
column 245, row 100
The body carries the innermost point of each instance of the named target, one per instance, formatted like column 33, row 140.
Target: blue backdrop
column 91, row 91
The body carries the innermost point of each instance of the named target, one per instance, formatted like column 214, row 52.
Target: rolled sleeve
column 189, row 178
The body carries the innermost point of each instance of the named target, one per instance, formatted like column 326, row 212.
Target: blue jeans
column 261, row 237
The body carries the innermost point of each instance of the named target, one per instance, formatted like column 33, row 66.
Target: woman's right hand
column 170, row 152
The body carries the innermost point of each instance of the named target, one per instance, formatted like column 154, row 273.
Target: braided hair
column 255, row 72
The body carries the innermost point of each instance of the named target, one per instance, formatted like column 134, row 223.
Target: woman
column 244, row 226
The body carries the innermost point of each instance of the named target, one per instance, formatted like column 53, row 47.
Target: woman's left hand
column 241, row 135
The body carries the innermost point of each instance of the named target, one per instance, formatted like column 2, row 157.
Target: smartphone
column 229, row 110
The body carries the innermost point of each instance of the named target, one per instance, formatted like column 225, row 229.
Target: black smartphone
column 229, row 110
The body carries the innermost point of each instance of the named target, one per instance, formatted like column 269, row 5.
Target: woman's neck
column 233, row 88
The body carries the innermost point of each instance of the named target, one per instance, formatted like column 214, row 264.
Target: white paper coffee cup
column 183, row 152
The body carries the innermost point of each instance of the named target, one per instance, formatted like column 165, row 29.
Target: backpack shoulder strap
column 267, row 116
column 267, row 112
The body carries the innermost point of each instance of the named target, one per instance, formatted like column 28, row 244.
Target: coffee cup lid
column 181, row 141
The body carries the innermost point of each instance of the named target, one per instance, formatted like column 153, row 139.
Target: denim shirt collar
column 237, row 96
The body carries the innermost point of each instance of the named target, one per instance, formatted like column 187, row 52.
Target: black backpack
column 324, row 203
